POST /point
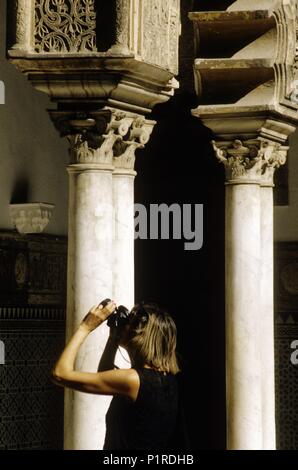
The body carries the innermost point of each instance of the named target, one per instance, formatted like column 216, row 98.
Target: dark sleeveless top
column 149, row 422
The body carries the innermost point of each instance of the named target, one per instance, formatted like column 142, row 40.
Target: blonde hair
column 153, row 338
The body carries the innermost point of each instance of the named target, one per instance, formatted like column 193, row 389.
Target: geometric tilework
column 32, row 328
column 286, row 330
column 286, row 395
column 31, row 407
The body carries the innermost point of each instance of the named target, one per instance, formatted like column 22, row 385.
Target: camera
column 119, row 317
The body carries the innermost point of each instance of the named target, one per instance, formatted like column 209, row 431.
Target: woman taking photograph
column 143, row 412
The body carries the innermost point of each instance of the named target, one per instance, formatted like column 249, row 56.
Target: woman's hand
column 97, row 315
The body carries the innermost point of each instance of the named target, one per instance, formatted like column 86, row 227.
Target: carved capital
column 252, row 161
column 137, row 137
column 31, row 218
column 107, row 138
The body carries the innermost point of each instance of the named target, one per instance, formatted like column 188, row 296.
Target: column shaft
column 267, row 319
column 90, row 262
column 23, row 25
column 123, row 251
column 243, row 244
column 123, row 16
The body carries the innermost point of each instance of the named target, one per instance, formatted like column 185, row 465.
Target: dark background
column 179, row 166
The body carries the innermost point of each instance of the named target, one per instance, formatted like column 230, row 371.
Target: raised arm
column 112, row 382
column 107, row 360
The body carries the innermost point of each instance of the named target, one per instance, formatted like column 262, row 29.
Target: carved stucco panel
column 160, row 32
column 65, row 26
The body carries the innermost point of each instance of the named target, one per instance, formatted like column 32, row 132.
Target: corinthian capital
column 137, row 137
column 252, row 161
column 107, row 138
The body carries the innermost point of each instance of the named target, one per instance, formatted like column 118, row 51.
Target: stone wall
column 33, row 158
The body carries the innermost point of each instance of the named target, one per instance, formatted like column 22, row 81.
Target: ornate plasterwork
column 67, row 52
column 252, row 161
column 65, row 26
column 160, row 32
column 108, row 138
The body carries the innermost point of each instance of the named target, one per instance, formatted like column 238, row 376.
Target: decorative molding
column 252, row 161
column 287, row 319
column 31, row 313
column 31, row 218
column 255, row 47
column 68, row 52
column 63, row 26
column 286, row 17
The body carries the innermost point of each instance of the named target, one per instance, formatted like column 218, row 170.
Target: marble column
column 123, row 253
column 267, row 318
column 244, row 406
column 277, row 158
column 101, row 243
column 123, row 194
column 90, row 277
column 249, row 291
column 123, row 200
